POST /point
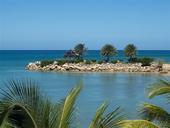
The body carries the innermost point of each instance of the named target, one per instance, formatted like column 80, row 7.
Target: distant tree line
column 107, row 51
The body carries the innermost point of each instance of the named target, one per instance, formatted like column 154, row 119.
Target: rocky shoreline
column 104, row 67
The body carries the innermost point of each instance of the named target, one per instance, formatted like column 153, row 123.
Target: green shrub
column 133, row 60
column 160, row 65
column 100, row 62
column 46, row 62
column 146, row 61
column 78, row 60
column 62, row 62
column 93, row 60
column 87, row 62
column 114, row 61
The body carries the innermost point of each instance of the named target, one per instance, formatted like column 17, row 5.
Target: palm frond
column 137, row 124
column 98, row 116
column 27, row 95
column 66, row 108
column 154, row 113
column 110, row 120
column 161, row 87
column 9, row 116
column 31, row 107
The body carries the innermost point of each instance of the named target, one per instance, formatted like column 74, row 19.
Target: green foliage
column 146, row 61
column 88, row 62
column 67, row 107
column 93, row 60
column 133, row 60
column 110, row 120
column 46, row 62
column 160, row 65
column 161, row 87
column 74, row 61
column 114, row 61
column 99, row 61
column 152, row 112
column 155, row 113
column 108, row 51
column 137, row 124
column 22, row 105
column 80, row 50
column 62, row 62
column 71, row 54
column 78, row 60
column 130, row 51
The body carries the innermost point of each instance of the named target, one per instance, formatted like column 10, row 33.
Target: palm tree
column 130, row 51
column 155, row 113
column 108, row 51
column 71, row 54
column 22, row 105
column 80, row 50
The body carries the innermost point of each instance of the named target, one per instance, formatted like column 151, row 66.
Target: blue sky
column 60, row 24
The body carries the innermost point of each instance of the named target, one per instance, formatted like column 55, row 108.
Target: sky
column 60, row 24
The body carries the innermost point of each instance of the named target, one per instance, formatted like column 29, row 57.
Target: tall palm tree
column 155, row 113
column 22, row 105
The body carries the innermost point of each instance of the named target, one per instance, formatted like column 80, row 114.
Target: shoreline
column 104, row 72
column 100, row 68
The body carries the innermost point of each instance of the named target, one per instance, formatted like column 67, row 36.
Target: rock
column 109, row 67
column 32, row 66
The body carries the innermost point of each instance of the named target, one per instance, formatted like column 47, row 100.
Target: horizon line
column 70, row 49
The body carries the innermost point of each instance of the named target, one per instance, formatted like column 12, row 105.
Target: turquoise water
column 121, row 89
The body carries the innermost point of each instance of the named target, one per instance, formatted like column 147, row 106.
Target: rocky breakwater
column 94, row 67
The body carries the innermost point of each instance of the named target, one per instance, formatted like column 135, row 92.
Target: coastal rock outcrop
column 94, row 67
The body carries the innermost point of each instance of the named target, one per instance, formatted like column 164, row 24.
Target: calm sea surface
column 121, row 89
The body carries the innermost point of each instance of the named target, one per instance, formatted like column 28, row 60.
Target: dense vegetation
column 46, row 62
column 108, row 51
column 146, row 61
column 80, row 50
column 23, row 105
column 130, row 51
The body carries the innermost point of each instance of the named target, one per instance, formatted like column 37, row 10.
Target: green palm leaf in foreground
column 67, row 108
column 137, row 124
column 102, row 120
column 161, row 87
column 154, row 113
column 23, row 105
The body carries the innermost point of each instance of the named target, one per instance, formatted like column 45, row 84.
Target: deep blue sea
column 121, row 89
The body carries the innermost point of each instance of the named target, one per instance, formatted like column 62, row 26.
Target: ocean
column 120, row 89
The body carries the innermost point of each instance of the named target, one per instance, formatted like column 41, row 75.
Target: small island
column 74, row 61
